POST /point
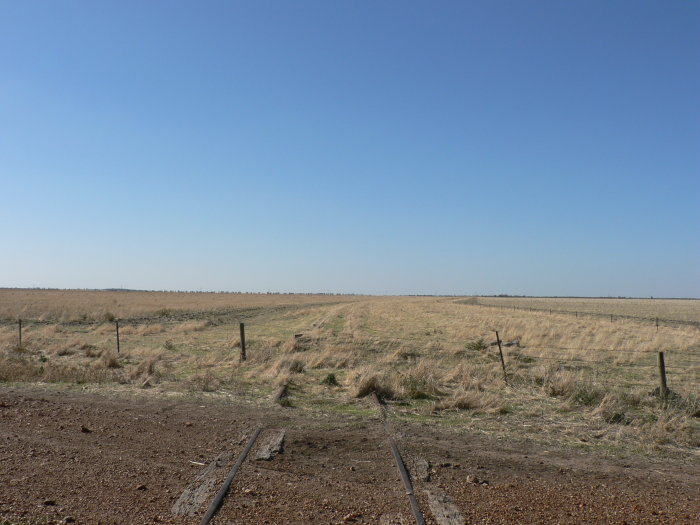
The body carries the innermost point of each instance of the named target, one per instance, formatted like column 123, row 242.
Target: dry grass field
column 583, row 381
column 98, row 305
column 684, row 310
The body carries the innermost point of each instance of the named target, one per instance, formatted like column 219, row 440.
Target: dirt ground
column 72, row 456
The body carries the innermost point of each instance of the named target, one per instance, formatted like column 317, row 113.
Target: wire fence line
column 658, row 321
column 515, row 344
column 165, row 316
column 678, row 366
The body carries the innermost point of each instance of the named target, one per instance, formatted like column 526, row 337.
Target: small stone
column 188, row 424
column 422, row 469
column 85, row 430
column 49, row 502
column 471, row 478
column 141, row 487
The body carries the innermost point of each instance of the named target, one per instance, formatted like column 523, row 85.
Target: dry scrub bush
column 300, row 344
column 613, row 408
column 204, row 382
column 15, row 369
column 515, row 356
column 108, row 360
column 669, row 427
column 421, row 382
column 282, row 366
column 108, row 328
column 8, row 337
column 192, row 326
column 69, row 347
column 128, row 329
column 91, row 350
column 586, row 393
column 471, row 400
column 365, row 384
column 405, row 353
column 150, row 329
column 259, row 354
column 474, row 377
column 28, row 369
column 142, row 329
column 560, row 383
column 418, row 383
column 477, row 345
column 334, row 357
column 146, row 368
column 540, row 375
column 292, row 366
column 564, row 384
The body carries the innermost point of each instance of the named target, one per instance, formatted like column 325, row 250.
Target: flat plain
column 584, row 387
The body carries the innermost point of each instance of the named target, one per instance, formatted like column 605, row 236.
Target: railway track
column 81, row 457
column 265, row 443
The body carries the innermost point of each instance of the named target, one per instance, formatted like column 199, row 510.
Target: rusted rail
column 407, row 483
column 401, row 466
column 219, row 498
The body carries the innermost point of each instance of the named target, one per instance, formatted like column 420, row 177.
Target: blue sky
column 541, row 148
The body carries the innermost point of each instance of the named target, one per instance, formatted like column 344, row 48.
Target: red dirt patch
column 100, row 458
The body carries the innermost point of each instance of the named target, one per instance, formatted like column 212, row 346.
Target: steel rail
column 219, row 498
column 400, row 465
column 407, row 483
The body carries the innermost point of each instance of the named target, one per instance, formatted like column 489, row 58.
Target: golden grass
column 436, row 356
column 96, row 305
column 672, row 309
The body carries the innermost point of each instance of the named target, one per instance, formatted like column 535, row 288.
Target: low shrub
column 330, row 380
column 479, row 345
column 374, row 383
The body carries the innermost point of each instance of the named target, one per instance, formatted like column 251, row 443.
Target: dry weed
column 109, row 360
column 204, row 382
column 376, row 384
column 192, row 326
column 471, row 400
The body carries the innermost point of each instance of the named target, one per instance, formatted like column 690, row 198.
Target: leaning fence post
column 117, row 323
column 242, row 327
column 503, row 363
column 662, row 376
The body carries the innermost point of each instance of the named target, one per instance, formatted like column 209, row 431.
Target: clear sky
column 540, row 147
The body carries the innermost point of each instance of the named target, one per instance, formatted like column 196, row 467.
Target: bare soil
column 72, row 456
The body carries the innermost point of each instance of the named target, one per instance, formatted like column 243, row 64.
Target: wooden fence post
column 662, row 376
column 117, row 323
column 503, row 363
column 242, row 327
column 20, row 332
